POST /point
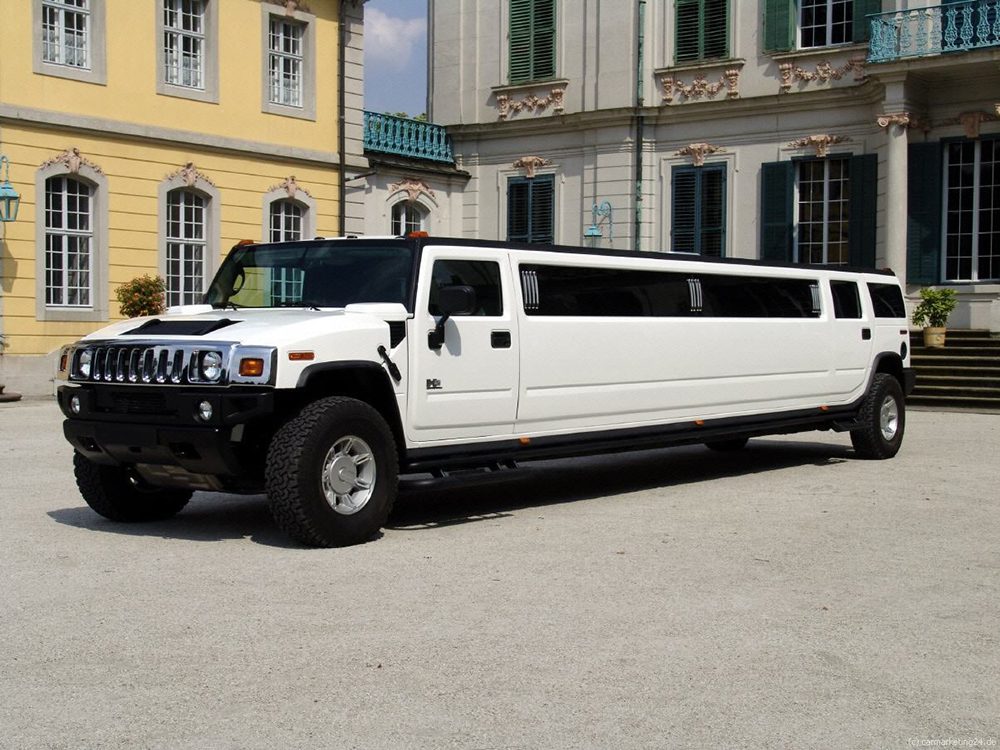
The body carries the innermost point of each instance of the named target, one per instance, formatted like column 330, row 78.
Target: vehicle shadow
column 425, row 503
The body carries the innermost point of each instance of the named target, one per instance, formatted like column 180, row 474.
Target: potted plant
column 932, row 313
column 143, row 295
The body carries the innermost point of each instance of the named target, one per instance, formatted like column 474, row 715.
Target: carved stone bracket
column 902, row 120
column 823, row 73
column 291, row 6
column 820, row 143
column 412, row 187
column 531, row 163
column 73, row 160
column 189, row 175
column 700, row 87
column 971, row 122
column 507, row 105
column 290, row 186
column 698, row 152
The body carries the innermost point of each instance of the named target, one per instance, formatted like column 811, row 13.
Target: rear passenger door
column 852, row 337
column 468, row 387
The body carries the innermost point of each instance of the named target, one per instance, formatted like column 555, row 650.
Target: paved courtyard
column 785, row 596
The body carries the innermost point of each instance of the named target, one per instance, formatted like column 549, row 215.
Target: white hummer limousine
column 317, row 371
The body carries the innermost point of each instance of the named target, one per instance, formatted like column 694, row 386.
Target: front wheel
column 120, row 496
column 331, row 473
column 881, row 421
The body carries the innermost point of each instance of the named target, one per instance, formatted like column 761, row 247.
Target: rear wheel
column 115, row 493
column 881, row 421
column 331, row 473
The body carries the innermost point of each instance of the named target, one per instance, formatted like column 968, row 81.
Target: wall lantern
column 9, row 198
column 592, row 235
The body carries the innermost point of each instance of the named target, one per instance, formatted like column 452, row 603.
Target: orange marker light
column 417, row 234
column 251, row 367
column 524, row 441
column 699, row 422
column 299, row 356
column 824, row 408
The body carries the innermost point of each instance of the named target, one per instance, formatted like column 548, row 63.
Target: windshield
column 320, row 273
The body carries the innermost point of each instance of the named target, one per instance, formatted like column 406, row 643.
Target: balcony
column 415, row 139
column 955, row 27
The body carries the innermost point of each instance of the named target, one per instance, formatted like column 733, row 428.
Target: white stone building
column 744, row 128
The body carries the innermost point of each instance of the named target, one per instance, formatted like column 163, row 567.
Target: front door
column 468, row 387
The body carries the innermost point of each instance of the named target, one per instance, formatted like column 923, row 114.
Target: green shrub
column 934, row 308
column 143, row 295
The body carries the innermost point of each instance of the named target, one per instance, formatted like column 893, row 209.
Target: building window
column 532, row 50
column 972, row 210
column 531, row 209
column 824, row 193
column 702, row 30
column 285, row 221
column 289, row 72
column 184, row 43
column 65, row 32
column 69, row 237
column 285, row 62
column 406, row 218
column 825, row 22
column 698, row 210
column 186, row 247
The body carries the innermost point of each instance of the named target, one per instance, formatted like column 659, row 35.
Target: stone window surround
column 97, row 48
column 308, row 109
column 210, row 93
column 99, row 298
column 213, row 224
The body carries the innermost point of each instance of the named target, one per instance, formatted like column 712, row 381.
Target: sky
column 396, row 56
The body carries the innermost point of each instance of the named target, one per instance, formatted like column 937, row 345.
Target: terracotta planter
column 934, row 338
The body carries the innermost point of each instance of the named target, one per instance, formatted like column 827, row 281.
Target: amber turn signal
column 251, row 367
column 299, row 356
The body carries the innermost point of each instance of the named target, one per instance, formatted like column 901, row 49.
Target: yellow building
column 149, row 136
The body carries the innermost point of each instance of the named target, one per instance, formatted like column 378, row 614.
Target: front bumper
column 160, row 426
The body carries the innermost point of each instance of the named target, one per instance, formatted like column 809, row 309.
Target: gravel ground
column 787, row 595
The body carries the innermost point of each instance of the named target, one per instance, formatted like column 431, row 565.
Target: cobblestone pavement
column 787, row 595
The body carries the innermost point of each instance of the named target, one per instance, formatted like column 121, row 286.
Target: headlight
column 84, row 362
column 211, row 366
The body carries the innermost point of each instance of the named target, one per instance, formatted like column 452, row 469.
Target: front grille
column 138, row 363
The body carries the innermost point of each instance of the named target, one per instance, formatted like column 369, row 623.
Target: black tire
column 881, row 421
column 727, row 446
column 114, row 494
column 297, row 482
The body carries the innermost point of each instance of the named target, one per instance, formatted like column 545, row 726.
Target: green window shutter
column 701, row 30
column 684, row 210
column 687, row 32
column 698, row 210
column 861, row 232
column 532, row 40
column 712, row 213
column 543, row 53
column 518, row 195
column 715, row 29
column 777, row 186
column 531, row 210
column 861, row 25
column 923, row 211
column 520, row 41
column 779, row 25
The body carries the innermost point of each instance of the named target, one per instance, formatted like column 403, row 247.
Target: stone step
column 979, row 403
column 957, row 380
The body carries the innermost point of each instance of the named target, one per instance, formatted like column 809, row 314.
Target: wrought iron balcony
column 955, row 27
column 388, row 134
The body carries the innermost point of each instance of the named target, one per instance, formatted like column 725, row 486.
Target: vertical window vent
column 694, row 286
column 529, row 289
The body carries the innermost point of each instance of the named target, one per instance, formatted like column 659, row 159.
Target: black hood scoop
column 159, row 327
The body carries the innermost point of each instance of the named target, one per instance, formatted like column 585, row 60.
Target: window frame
column 845, row 201
column 827, row 27
column 301, row 198
column 977, row 189
column 209, row 92
column 97, row 309
column 699, row 229
column 206, row 190
column 407, row 206
column 538, row 179
column 307, row 109
column 532, row 39
column 701, row 31
column 96, row 70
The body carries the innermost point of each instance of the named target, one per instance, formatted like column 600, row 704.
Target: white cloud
column 390, row 41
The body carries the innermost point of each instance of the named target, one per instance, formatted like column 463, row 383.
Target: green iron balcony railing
column 953, row 27
column 388, row 134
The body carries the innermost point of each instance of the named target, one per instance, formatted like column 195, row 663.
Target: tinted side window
column 758, row 297
column 846, row 300
column 604, row 292
column 887, row 299
column 482, row 275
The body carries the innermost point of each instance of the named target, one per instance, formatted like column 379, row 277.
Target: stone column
column 896, row 126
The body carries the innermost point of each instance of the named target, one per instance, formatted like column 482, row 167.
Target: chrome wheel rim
column 888, row 418
column 349, row 475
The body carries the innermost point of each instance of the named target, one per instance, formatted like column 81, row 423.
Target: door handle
column 500, row 339
column 866, row 334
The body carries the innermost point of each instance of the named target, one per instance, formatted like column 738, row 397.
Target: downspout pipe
column 342, row 120
column 640, row 121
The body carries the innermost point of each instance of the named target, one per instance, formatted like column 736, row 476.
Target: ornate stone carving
column 823, row 73
column 294, row 5
column 73, row 160
column 507, row 105
column 412, row 187
column 971, row 122
column 820, row 143
column 290, row 186
column 189, row 175
column 698, row 152
column 902, row 120
column 700, row 87
column 530, row 163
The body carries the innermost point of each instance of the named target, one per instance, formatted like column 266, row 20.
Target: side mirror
column 458, row 299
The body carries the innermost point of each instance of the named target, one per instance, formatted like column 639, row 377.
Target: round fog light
column 74, row 404
column 204, row 411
